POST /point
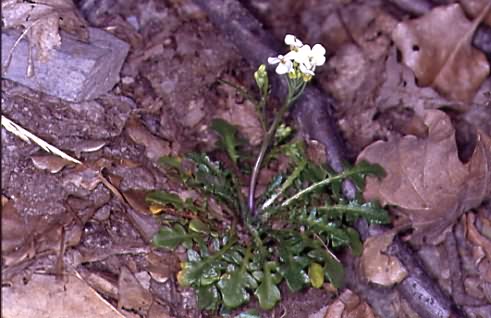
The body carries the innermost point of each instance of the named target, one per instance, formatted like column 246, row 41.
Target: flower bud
column 261, row 77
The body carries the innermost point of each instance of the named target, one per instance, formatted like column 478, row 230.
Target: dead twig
column 28, row 137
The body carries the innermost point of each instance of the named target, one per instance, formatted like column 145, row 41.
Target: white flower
column 293, row 42
column 285, row 64
column 309, row 59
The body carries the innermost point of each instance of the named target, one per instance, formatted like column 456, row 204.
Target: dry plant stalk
column 28, row 137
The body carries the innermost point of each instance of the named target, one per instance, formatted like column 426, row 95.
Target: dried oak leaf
column 475, row 7
column 426, row 179
column 437, row 47
column 378, row 267
column 132, row 295
column 349, row 305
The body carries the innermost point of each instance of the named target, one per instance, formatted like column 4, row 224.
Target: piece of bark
column 312, row 111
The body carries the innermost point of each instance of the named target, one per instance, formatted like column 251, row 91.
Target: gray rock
column 76, row 71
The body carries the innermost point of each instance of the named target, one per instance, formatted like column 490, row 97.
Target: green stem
column 262, row 153
column 316, row 186
column 295, row 90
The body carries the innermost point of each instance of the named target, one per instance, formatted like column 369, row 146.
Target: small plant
column 240, row 247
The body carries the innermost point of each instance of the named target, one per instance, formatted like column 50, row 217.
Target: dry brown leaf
column 426, row 179
column 45, row 296
column 476, row 237
column 437, row 47
column 132, row 295
column 349, row 305
column 241, row 114
column 16, row 239
column 51, row 163
column 399, row 89
column 474, row 7
column 41, row 21
column 155, row 147
column 379, row 268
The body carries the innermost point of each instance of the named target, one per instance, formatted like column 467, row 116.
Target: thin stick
column 28, row 137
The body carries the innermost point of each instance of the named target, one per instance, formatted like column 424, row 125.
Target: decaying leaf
column 41, row 21
column 51, row 163
column 476, row 237
column 379, row 268
column 154, row 147
column 437, row 47
column 400, row 89
column 16, row 243
column 426, row 179
column 475, row 7
column 132, row 295
column 349, row 305
column 242, row 115
column 46, row 296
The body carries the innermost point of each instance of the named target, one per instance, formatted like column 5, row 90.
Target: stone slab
column 76, row 71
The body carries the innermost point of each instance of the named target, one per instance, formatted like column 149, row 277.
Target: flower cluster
column 301, row 61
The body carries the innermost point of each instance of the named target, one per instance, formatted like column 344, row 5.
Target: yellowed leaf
column 427, row 180
column 437, row 47
column 379, row 268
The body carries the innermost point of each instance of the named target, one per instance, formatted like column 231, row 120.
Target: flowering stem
column 295, row 89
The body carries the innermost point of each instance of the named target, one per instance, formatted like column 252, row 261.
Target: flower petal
column 292, row 55
column 292, row 41
column 319, row 60
column 306, row 70
column 273, row 60
column 289, row 39
column 318, row 49
column 284, row 68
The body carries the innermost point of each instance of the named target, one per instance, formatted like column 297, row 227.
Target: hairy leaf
column 198, row 226
column 200, row 273
column 371, row 211
column 355, row 242
column 232, row 286
column 214, row 180
column 320, row 225
column 170, row 162
column 165, row 199
column 292, row 269
column 208, row 297
column 288, row 182
column 228, row 134
column 171, row 237
column 268, row 293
